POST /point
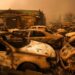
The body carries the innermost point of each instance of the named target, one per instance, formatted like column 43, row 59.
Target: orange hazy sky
column 51, row 8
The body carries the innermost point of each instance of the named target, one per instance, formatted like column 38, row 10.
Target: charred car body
column 67, row 55
column 32, row 56
column 38, row 55
column 55, row 40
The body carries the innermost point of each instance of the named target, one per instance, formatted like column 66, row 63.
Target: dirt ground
column 28, row 72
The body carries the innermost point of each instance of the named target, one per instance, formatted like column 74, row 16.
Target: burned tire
column 28, row 66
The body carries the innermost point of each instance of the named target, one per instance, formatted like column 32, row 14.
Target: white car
column 34, row 55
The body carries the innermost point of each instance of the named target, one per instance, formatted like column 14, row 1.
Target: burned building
column 21, row 18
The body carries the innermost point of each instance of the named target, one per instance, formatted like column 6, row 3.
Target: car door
column 5, row 59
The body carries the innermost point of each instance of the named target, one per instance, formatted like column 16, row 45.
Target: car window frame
column 37, row 36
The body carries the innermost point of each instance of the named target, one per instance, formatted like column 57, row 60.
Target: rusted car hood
column 39, row 48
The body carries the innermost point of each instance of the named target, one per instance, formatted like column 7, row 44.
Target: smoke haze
column 51, row 8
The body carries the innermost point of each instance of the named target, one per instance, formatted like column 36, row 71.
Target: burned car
column 55, row 40
column 32, row 55
column 67, row 56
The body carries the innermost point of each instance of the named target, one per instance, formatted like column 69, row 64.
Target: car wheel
column 28, row 66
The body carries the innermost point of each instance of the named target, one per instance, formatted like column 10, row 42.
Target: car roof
column 70, row 34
